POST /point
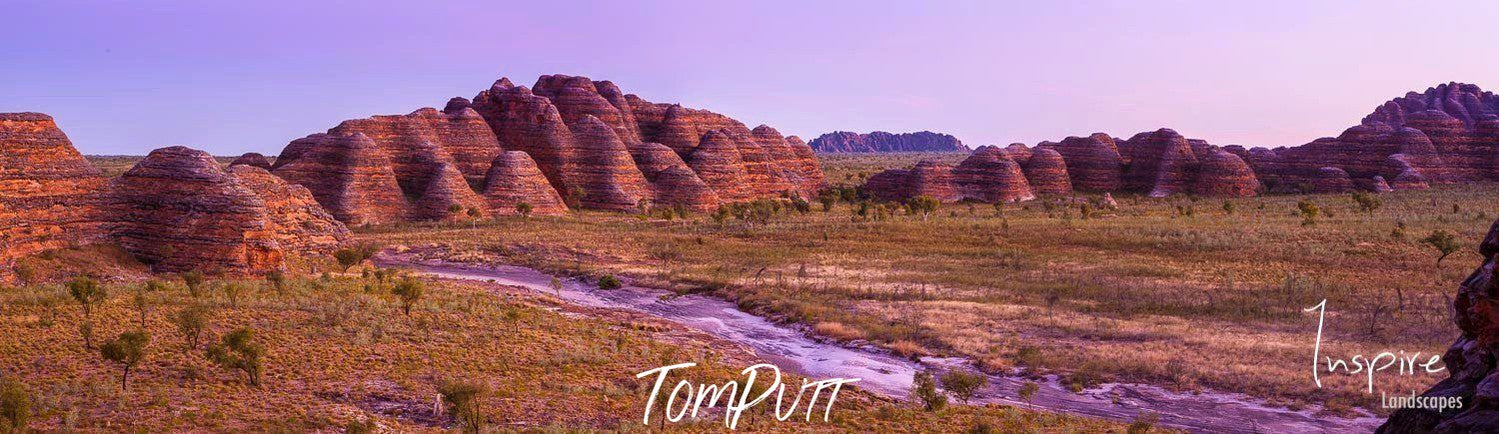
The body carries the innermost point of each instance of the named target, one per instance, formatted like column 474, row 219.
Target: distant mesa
column 593, row 146
column 880, row 141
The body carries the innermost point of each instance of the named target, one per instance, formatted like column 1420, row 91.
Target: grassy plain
column 341, row 356
column 1185, row 292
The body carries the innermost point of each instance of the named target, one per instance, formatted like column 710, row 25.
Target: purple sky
column 230, row 77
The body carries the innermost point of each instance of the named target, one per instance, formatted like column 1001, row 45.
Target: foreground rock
column 880, row 141
column 1470, row 361
column 177, row 210
column 48, row 192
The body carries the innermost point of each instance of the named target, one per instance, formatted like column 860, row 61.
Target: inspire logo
column 1404, row 364
column 736, row 395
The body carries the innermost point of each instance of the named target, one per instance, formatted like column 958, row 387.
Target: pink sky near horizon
column 128, row 77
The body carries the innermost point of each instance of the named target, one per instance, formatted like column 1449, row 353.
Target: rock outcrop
column 1161, row 163
column 252, row 159
column 1222, row 173
column 988, row 175
column 1046, row 170
column 1158, row 163
column 1449, row 133
column 177, row 210
column 48, row 191
column 514, row 179
column 1093, row 162
column 1470, row 361
column 596, row 147
column 350, row 176
column 880, row 141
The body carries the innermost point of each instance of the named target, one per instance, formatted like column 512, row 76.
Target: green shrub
column 924, row 389
column 610, row 282
column 963, row 384
column 239, row 351
column 87, row 292
column 127, row 350
column 15, row 406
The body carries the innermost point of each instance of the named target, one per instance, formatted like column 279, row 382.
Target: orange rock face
column 350, row 176
column 514, row 179
column 48, row 192
column 177, row 210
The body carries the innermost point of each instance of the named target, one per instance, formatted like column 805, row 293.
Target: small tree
column 462, row 399
column 610, row 282
column 924, row 389
column 1308, row 211
column 127, row 350
column 455, row 210
column 86, row 331
column 410, row 291
column 194, row 281
column 1228, row 208
column 1444, row 242
column 524, row 209
column 1366, row 201
column 143, row 302
column 923, row 205
column 963, row 384
column 191, row 321
column 87, row 292
column 234, row 291
column 239, row 351
column 15, row 406
column 1028, row 391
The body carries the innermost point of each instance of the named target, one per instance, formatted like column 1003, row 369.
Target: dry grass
column 339, row 351
column 1172, row 291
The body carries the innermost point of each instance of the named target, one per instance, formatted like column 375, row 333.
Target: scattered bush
column 1444, row 242
column 1027, row 392
column 610, row 282
column 924, row 389
column 239, row 351
column 194, row 281
column 964, row 384
column 524, row 209
column 410, row 291
column 191, row 321
column 462, row 400
column 127, row 350
column 352, row 256
column 15, row 406
column 87, row 292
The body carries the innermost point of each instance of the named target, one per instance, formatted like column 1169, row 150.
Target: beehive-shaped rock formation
column 48, row 192
column 514, row 179
column 177, row 210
